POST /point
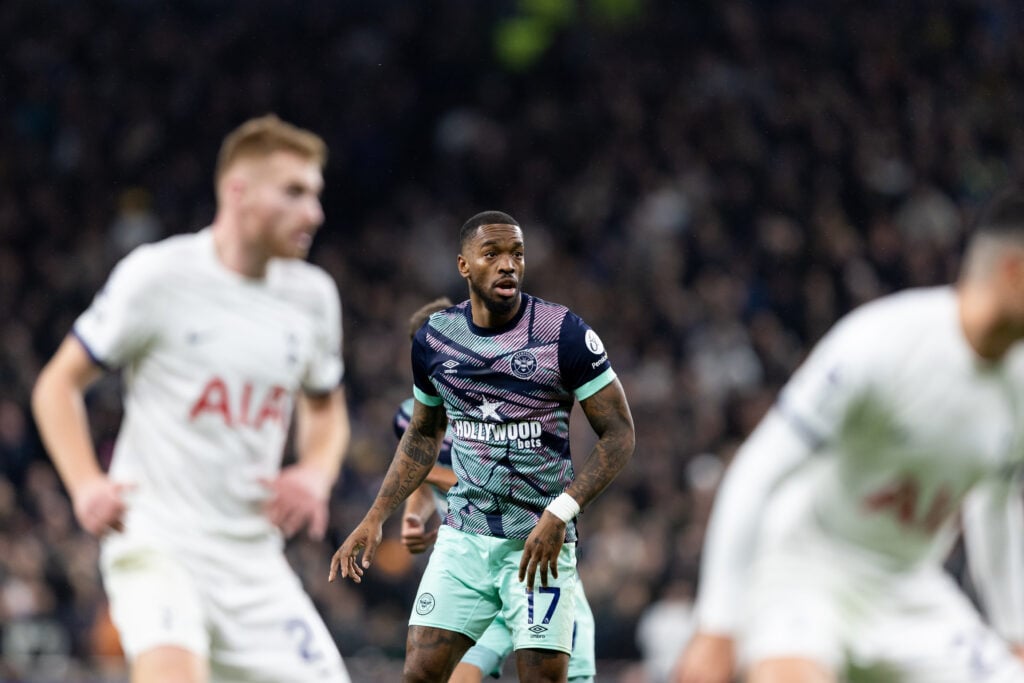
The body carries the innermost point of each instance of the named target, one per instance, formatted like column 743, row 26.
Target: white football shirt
column 910, row 417
column 212, row 361
column 881, row 433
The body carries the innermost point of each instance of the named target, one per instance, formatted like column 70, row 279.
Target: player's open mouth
column 506, row 287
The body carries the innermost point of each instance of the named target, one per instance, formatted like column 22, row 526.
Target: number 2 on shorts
column 306, row 649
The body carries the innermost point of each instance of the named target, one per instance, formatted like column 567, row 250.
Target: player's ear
column 1011, row 268
column 232, row 188
column 463, row 266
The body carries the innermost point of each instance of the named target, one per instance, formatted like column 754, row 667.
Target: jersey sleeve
column 811, row 410
column 326, row 367
column 583, row 359
column 423, row 389
column 769, row 455
column 836, row 375
column 119, row 323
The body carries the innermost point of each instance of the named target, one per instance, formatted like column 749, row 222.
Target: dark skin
column 493, row 262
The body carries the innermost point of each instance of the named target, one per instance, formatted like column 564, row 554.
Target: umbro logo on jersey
column 450, row 366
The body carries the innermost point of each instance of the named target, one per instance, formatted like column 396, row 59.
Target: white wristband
column 564, row 507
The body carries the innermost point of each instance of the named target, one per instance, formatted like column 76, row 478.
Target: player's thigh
column 169, row 664
column 270, row 631
column 155, row 601
column 544, row 618
column 793, row 619
column 431, row 654
column 457, row 592
column 541, row 666
column 789, row 670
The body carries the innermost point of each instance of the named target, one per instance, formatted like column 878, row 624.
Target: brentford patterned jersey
column 211, row 362
column 508, row 392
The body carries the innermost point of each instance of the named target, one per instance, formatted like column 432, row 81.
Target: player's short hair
column 1004, row 216
column 417, row 319
column 262, row 136
column 999, row 225
column 484, row 218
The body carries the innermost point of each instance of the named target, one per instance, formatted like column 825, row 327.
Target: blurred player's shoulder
column 446, row 316
column 154, row 262
column 907, row 312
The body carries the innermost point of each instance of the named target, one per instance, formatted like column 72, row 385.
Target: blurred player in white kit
column 220, row 334
column 823, row 560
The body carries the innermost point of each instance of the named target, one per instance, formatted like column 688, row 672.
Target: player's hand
column 709, row 658
column 1017, row 650
column 99, row 505
column 366, row 537
column 298, row 499
column 414, row 534
column 541, row 550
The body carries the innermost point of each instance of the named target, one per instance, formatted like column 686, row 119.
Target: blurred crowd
column 708, row 184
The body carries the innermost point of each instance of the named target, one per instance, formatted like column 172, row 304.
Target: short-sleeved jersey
column 508, row 393
column 211, row 363
column 910, row 419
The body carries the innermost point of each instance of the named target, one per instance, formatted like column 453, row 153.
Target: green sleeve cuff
column 595, row 385
column 425, row 398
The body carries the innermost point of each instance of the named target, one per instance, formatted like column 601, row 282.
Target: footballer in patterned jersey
column 504, row 368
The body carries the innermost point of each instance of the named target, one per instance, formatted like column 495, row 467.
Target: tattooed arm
column 414, row 458
column 609, row 415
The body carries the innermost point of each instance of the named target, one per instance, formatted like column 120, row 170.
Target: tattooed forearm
column 600, row 468
column 422, row 450
column 416, row 454
column 609, row 415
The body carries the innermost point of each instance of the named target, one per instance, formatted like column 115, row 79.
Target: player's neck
column 486, row 318
column 235, row 254
column 986, row 329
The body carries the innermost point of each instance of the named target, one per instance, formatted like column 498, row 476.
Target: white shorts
column 866, row 624
column 238, row 605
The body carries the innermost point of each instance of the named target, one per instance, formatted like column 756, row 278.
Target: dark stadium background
column 709, row 184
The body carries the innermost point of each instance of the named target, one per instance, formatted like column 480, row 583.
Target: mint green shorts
column 471, row 579
column 495, row 645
